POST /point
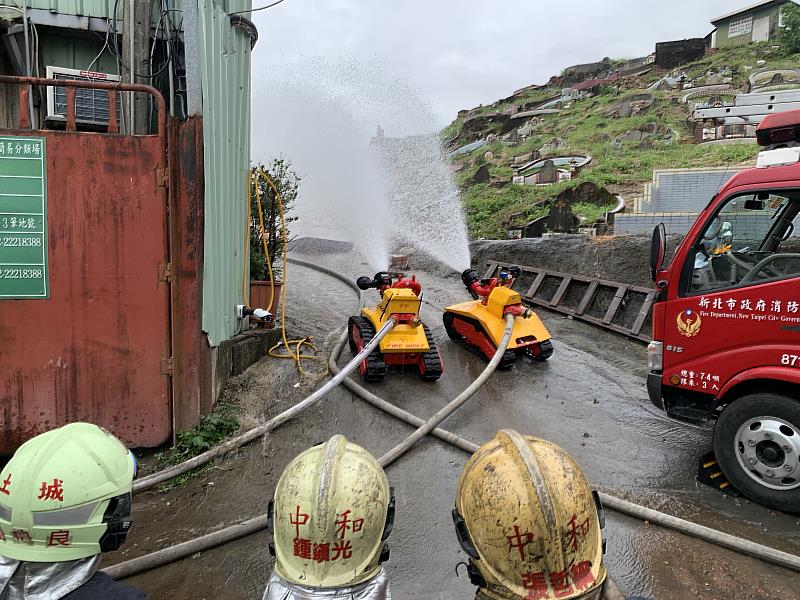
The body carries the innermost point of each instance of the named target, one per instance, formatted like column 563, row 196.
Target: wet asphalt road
column 592, row 403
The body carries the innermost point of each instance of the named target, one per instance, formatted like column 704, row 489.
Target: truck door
column 738, row 304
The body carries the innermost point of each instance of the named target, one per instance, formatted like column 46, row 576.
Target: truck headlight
column 655, row 356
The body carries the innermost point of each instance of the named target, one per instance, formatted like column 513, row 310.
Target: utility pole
column 136, row 55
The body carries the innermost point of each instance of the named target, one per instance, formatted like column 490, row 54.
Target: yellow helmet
column 333, row 509
column 529, row 522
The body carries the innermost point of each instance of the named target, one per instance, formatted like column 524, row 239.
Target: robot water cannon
column 482, row 288
column 384, row 280
column 479, row 324
column 409, row 343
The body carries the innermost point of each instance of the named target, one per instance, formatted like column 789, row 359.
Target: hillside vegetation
column 586, row 127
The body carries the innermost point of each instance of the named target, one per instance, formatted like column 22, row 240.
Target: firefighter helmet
column 333, row 509
column 66, row 495
column 529, row 522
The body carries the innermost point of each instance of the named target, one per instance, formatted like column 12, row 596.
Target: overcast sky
column 460, row 53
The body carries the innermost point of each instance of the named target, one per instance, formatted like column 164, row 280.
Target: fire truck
column 726, row 321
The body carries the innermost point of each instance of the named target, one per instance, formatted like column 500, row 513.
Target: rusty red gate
column 98, row 349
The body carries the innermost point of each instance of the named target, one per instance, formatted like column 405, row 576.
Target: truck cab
column 726, row 321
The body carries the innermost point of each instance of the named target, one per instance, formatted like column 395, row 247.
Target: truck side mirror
column 658, row 247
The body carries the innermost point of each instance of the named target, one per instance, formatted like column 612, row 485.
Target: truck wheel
column 757, row 444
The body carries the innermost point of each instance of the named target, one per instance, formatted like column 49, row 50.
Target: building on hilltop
column 756, row 23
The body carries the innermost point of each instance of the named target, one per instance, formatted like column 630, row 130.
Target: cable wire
column 252, row 10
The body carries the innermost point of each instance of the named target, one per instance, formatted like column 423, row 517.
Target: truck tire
column 757, row 445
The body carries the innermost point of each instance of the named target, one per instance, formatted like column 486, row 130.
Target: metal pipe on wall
column 27, row 59
column 129, row 25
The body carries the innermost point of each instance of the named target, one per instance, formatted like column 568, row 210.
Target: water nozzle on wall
column 243, row 311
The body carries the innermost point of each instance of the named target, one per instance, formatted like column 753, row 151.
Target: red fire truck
column 726, row 321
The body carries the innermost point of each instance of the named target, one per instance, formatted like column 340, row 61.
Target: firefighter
column 65, row 498
column 530, row 524
column 332, row 512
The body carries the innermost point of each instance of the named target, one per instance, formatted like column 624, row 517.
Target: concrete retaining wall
column 684, row 190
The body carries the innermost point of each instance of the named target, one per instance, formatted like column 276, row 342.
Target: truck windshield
column 751, row 239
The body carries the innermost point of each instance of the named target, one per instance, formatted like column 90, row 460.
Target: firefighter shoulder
column 331, row 514
column 530, row 524
column 65, row 498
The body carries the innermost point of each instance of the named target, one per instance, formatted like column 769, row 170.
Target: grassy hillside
column 587, row 129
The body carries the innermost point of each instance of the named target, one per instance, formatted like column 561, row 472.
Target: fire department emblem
column 689, row 323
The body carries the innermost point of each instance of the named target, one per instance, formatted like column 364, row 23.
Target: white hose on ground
column 223, row 536
column 453, row 405
column 132, row 567
column 256, row 432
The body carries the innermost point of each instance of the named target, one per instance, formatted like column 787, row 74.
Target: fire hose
column 274, row 423
column 174, row 553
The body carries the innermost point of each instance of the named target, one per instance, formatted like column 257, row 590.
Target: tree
column 288, row 183
column 789, row 34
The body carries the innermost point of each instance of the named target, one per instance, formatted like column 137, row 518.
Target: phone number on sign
column 16, row 242
column 21, row 273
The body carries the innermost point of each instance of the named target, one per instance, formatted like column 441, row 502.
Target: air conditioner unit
column 91, row 105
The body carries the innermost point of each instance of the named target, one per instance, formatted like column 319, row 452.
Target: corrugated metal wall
column 75, row 53
column 224, row 65
column 83, row 8
column 101, row 9
column 225, row 68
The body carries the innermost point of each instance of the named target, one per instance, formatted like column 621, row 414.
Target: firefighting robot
column 331, row 515
column 530, row 524
column 65, row 498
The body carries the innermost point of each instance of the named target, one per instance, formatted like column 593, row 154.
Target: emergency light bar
column 780, row 128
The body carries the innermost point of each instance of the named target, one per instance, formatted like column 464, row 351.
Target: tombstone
column 513, row 137
column 634, row 135
column 525, row 130
column 713, row 79
column 548, row 173
column 535, row 228
column 482, row 175
column 561, row 219
column 522, row 158
column 625, row 110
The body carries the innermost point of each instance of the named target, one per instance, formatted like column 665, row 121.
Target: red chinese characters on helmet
column 537, row 585
column 519, row 541
column 320, row 552
column 53, row 491
column 344, row 523
column 4, row 488
column 22, row 536
column 302, row 548
column 576, row 532
column 60, row 537
column 582, row 575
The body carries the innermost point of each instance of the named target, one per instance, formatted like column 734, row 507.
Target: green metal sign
column 23, row 218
